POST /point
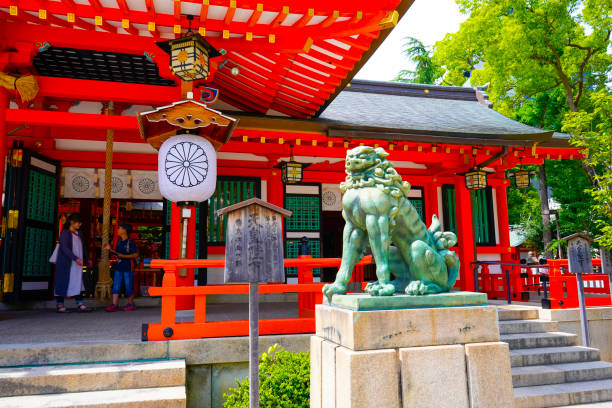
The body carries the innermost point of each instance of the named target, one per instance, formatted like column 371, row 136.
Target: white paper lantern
column 187, row 168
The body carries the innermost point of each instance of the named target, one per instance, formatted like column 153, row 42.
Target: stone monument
column 408, row 342
column 254, row 254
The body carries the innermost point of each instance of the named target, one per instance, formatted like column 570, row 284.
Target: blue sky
column 427, row 20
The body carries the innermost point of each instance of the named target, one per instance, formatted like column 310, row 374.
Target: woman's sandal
column 84, row 309
column 61, row 309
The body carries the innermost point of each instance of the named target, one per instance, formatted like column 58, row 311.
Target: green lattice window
column 41, row 197
column 38, row 247
column 449, row 209
column 306, row 211
column 482, row 213
column 229, row 191
column 292, row 250
column 419, row 205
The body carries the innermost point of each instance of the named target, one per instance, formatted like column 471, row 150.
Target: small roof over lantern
column 186, row 116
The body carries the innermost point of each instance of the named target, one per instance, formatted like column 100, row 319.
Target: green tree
column 538, row 59
column 593, row 133
column 426, row 71
column 525, row 47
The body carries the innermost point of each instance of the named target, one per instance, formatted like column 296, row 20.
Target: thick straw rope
column 103, row 287
column 26, row 85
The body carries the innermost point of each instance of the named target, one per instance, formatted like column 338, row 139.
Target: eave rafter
column 291, row 56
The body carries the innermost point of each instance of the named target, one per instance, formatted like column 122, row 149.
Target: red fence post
column 168, row 302
column 305, row 300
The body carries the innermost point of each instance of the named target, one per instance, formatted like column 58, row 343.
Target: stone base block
column 433, row 376
column 362, row 358
column 489, row 375
column 366, row 379
column 316, row 382
column 383, row 329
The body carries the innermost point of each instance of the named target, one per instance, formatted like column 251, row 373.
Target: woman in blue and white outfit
column 69, row 265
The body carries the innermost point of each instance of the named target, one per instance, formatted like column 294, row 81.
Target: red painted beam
column 68, row 119
column 103, row 91
column 130, row 44
column 344, row 28
column 323, row 7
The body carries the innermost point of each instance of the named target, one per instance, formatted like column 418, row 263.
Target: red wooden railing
column 553, row 281
column 564, row 289
column 309, row 294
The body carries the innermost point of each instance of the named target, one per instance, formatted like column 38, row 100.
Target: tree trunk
column 546, row 227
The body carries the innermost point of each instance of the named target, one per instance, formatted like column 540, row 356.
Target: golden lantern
column 292, row 171
column 189, row 55
column 475, row 179
column 522, row 177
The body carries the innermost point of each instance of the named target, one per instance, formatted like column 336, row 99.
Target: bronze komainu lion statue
column 378, row 215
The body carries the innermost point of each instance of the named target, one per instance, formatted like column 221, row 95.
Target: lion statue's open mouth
column 378, row 214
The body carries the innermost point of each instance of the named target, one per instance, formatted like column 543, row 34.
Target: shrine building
column 285, row 72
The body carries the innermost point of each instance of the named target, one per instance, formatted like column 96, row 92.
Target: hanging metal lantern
column 187, row 169
column 476, row 179
column 189, row 56
column 292, row 171
column 522, row 177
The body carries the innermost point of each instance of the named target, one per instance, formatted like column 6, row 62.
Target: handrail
column 220, row 263
column 309, row 294
column 509, row 264
column 554, row 279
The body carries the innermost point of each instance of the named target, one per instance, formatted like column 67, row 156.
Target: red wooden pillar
column 275, row 189
column 4, row 105
column 503, row 223
column 186, row 277
column 431, row 201
column 465, row 233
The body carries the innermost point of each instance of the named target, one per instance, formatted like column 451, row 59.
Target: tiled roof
column 426, row 113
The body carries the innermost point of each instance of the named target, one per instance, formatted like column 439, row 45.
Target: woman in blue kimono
column 69, row 265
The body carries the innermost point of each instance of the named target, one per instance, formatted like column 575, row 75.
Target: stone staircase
column 548, row 368
column 137, row 384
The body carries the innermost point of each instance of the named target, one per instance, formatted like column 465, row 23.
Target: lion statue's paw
column 416, row 288
column 334, row 289
column 380, row 289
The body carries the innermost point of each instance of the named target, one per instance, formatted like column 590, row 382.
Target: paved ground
column 47, row 326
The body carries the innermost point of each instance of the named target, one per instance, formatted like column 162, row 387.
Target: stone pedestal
column 412, row 357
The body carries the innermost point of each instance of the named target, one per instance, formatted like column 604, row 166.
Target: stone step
column 511, row 313
column 561, row 373
column 162, row 397
column 526, row 326
column 71, row 378
column 552, row 355
column 535, row 340
column 561, row 395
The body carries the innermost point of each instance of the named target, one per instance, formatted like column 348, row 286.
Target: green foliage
column 539, row 60
column 284, row 381
column 426, row 72
column 593, row 133
column 576, row 213
column 524, row 210
column 525, row 47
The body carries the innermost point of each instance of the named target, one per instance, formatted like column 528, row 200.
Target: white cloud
column 427, row 20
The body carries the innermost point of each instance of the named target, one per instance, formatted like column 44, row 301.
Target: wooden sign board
column 579, row 253
column 254, row 242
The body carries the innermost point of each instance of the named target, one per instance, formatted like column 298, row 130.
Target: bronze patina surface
column 379, row 215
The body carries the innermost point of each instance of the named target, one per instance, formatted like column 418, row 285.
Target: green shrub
column 284, row 381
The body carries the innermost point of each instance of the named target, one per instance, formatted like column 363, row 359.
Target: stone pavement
column 47, row 326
